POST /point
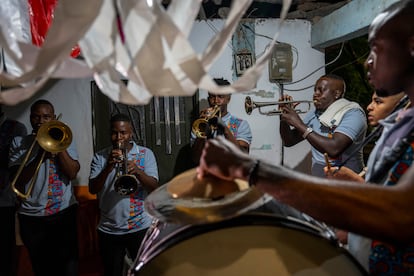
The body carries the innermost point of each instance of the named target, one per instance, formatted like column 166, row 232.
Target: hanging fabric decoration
column 141, row 41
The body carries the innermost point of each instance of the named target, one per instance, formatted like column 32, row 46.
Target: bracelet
column 253, row 173
column 308, row 131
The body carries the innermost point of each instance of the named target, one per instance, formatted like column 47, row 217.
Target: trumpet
column 249, row 105
column 202, row 126
column 125, row 184
column 53, row 136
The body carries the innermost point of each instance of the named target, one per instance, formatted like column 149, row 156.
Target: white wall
column 72, row 97
column 266, row 138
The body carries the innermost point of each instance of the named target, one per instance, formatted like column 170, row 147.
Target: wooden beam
column 348, row 22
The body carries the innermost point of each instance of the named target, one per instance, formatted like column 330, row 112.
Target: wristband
column 253, row 173
column 308, row 131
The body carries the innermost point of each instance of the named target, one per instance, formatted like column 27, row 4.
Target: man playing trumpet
column 336, row 126
column 123, row 221
column 233, row 129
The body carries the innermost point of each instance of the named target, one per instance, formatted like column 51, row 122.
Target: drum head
column 199, row 206
column 248, row 245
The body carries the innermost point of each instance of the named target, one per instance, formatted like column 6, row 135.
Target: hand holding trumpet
column 118, row 156
column 289, row 102
column 288, row 112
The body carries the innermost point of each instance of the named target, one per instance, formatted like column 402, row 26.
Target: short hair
column 41, row 102
column 221, row 81
column 401, row 10
column 120, row 117
column 338, row 78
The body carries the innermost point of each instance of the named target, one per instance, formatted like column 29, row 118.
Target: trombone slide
column 53, row 136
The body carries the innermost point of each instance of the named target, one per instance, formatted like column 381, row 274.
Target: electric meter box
column 280, row 63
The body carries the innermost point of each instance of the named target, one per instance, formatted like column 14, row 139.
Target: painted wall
column 72, row 97
column 266, row 138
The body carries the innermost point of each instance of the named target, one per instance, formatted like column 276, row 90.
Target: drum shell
column 251, row 244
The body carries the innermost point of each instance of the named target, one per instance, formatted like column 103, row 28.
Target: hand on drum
column 342, row 236
column 224, row 159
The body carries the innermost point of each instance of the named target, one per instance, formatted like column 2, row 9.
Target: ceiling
column 311, row 10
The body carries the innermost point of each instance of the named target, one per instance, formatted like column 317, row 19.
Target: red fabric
column 41, row 14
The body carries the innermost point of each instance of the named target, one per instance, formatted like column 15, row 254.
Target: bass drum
column 251, row 244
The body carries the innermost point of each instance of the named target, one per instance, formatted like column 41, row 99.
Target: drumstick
column 328, row 164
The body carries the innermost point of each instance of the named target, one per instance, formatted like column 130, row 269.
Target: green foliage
column 350, row 66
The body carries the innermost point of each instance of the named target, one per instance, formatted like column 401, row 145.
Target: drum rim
column 248, row 219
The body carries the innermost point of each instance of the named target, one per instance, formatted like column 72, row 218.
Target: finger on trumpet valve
column 117, row 152
column 287, row 100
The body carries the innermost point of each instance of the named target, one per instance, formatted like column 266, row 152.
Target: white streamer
column 153, row 54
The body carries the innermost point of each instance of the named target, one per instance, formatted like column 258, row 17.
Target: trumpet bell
column 202, row 127
column 54, row 136
column 248, row 105
column 126, row 184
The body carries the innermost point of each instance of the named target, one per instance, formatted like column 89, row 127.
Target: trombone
column 53, row 136
column 125, row 184
column 249, row 105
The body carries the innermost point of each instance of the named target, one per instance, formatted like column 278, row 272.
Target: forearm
column 370, row 210
column 148, row 182
column 67, row 165
column 290, row 136
column 356, row 206
column 27, row 171
column 334, row 146
column 96, row 184
column 244, row 146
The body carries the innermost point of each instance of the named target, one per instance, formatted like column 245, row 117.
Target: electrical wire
column 319, row 68
column 215, row 31
column 245, row 26
column 363, row 56
column 267, row 46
